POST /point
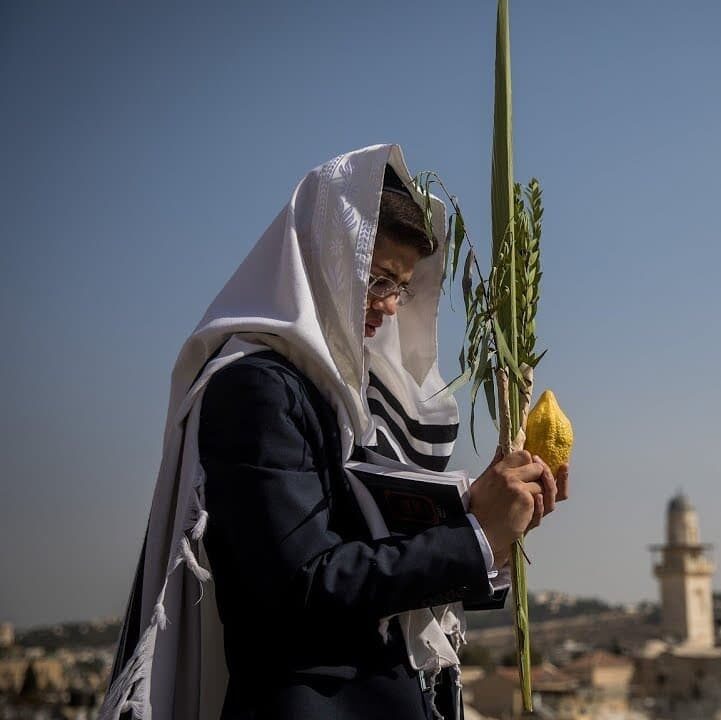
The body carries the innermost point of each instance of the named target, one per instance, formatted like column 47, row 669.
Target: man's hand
column 512, row 495
column 554, row 490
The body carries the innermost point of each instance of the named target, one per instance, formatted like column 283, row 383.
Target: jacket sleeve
column 269, row 515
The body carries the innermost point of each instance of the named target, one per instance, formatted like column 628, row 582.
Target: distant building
column 681, row 673
column 684, row 574
column 46, row 674
column 498, row 693
column 7, row 635
column 604, row 683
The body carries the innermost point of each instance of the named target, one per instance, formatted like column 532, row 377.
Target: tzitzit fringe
column 131, row 690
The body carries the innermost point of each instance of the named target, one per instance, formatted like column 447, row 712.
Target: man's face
column 395, row 262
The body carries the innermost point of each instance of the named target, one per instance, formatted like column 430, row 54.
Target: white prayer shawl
column 301, row 291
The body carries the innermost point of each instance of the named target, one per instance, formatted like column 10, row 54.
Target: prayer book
column 412, row 499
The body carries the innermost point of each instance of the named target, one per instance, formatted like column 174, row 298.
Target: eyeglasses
column 382, row 287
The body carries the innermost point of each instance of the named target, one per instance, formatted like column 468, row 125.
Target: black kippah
column 393, row 183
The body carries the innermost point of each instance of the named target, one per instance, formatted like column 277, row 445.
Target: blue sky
column 148, row 145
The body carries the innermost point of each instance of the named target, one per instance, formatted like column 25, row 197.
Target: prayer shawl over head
column 301, row 291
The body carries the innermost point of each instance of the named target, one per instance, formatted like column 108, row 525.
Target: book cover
column 411, row 501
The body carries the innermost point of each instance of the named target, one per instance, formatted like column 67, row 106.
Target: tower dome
column 679, row 503
column 681, row 522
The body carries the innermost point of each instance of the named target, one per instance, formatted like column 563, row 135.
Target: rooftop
column 546, row 678
column 596, row 659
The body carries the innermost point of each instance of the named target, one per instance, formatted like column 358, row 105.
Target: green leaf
column 474, row 392
column 502, row 185
column 474, row 326
column 504, row 352
column 458, row 234
column 455, row 384
column 446, row 247
column 489, row 389
column 484, row 354
column 482, row 372
column 467, row 281
column 535, row 359
column 460, row 381
column 480, row 359
column 428, row 213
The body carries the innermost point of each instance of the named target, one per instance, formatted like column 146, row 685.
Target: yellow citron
column 549, row 432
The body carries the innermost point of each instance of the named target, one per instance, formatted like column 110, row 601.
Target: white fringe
column 198, row 515
column 432, row 680
column 137, row 708
column 455, row 671
column 200, row 526
column 131, row 690
column 132, row 681
column 191, row 561
column 159, row 617
column 457, row 638
column 433, row 677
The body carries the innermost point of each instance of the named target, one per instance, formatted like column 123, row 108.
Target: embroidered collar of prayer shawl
column 300, row 291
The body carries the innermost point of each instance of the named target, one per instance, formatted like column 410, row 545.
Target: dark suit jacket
column 300, row 584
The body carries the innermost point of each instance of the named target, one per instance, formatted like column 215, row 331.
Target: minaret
column 684, row 573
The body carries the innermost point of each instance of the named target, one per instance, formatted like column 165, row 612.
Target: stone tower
column 684, row 572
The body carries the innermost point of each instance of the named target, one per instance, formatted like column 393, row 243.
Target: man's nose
column 387, row 305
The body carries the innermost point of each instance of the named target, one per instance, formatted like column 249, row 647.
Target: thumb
column 496, row 458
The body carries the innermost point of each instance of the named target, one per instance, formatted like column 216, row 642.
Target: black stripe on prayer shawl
column 383, row 448
column 433, row 434
column 430, row 462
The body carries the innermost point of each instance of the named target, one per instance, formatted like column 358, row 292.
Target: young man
column 320, row 348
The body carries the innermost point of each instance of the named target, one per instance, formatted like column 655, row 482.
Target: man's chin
column 370, row 330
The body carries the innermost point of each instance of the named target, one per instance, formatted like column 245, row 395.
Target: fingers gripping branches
column 485, row 350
